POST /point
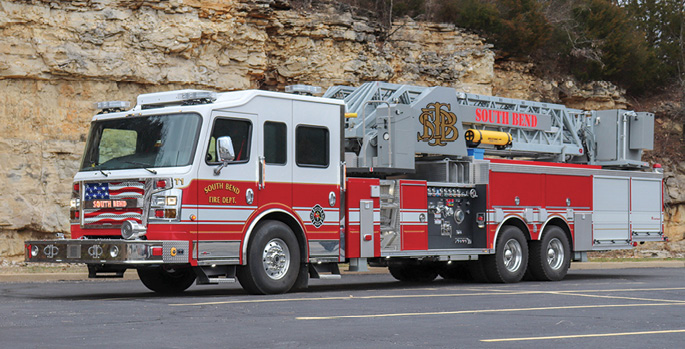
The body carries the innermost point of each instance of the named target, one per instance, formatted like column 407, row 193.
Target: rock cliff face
column 57, row 58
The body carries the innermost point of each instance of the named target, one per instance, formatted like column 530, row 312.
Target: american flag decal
column 121, row 190
column 113, row 191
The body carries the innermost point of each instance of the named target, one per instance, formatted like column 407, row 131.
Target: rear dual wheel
column 510, row 260
column 550, row 257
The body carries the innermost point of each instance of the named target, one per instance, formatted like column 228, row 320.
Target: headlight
column 75, row 203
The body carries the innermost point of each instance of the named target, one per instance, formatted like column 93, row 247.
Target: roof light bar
column 183, row 97
column 303, row 89
column 112, row 106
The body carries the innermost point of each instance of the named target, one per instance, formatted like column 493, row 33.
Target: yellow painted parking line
column 489, row 293
column 618, row 297
column 479, row 311
column 345, row 298
column 582, row 336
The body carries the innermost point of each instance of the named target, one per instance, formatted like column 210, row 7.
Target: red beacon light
column 657, row 168
column 161, row 184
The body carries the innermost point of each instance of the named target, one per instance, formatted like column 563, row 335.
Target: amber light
column 166, row 213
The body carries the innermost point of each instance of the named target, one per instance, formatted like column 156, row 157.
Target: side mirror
column 224, row 152
column 224, row 149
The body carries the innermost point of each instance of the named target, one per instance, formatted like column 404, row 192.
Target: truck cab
column 155, row 193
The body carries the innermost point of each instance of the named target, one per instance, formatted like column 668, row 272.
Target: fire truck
column 272, row 189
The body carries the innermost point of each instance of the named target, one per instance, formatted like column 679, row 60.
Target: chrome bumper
column 107, row 251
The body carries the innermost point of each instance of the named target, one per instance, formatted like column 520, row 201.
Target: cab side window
column 240, row 132
column 275, row 143
column 312, row 146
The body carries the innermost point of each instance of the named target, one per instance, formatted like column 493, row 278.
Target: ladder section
column 396, row 123
column 561, row 139
column 364, row 100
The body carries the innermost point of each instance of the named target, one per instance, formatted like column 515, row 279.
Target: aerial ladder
column 502, row 127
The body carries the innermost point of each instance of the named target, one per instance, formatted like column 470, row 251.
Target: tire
column 167, row 279
column 273, row 260
column 550, row 257
column 408, row 272
column 510, row 261
column 455, row 271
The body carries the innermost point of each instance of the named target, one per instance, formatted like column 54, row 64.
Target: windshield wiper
column 97, row 167
column 143, row 165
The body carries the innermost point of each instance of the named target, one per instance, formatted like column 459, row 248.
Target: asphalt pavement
column 627, row 308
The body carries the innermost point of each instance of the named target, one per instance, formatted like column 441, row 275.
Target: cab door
column 224, row 197
column 316, row 176
column 275, row 154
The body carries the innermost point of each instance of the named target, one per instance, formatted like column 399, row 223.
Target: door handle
column 262, row 173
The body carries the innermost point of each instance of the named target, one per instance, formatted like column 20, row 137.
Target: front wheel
column 167, row 279
column 510, row 260
column 273, row 260
column 550, row 257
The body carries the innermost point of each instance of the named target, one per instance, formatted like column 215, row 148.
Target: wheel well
column 517, row 222
column 294, row 226
column 559, row 222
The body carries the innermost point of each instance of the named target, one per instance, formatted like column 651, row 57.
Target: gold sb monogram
column 438, row 125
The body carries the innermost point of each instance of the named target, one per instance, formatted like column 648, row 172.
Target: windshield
column 141, row 142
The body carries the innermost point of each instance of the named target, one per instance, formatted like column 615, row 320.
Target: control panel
column 456, row 216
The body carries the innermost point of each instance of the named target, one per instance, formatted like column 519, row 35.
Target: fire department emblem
column 317, row 215
column 438, row 125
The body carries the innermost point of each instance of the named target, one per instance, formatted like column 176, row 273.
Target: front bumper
column 113, row 252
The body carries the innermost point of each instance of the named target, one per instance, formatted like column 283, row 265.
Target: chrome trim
column 98, row 251
column 457, row 254
column 570, row 171
column 218, row 250
column 324, row 248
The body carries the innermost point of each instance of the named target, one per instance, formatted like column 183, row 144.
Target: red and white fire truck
column 274, row 188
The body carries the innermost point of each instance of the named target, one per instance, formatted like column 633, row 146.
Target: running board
column 332, row 270
column 220, row 274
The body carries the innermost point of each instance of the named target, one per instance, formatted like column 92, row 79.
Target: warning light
column 157, row 251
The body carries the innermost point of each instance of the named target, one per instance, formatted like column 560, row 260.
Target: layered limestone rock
column 57, row 58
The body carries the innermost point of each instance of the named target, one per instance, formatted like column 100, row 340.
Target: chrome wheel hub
column 276, row 258
column 513, row 255
column 555, row 254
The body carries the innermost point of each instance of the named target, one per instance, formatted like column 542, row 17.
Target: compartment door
column 611, row 218
column 646, row 209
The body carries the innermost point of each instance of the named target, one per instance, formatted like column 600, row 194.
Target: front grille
column 100, row 203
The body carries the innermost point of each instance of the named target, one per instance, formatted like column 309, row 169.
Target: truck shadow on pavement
column 360, row 283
